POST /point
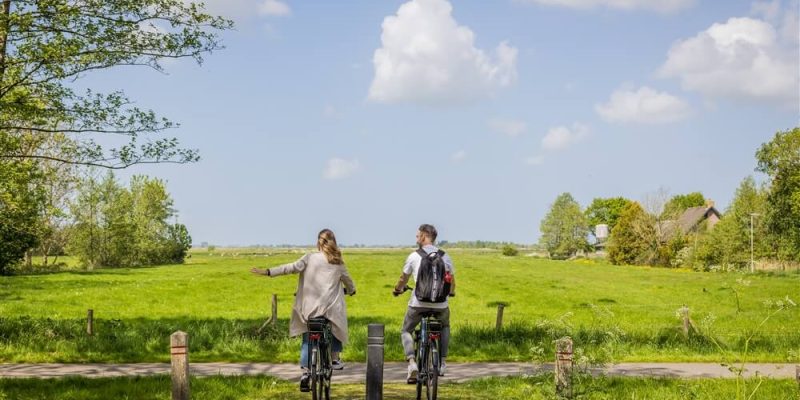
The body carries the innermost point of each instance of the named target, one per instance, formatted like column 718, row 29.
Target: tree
column 118, row 227
column 564, row 228
column 780, row 160
column 21, row 204
column 633, row 239
column 681, row 202
column 605, row 211
column 46, row 45
column 729, row 242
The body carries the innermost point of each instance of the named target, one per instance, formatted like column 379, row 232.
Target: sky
column 372, row 117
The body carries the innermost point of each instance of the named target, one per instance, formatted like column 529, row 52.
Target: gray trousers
column 412, row 319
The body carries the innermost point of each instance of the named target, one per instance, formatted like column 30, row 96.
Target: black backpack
column 432, row 284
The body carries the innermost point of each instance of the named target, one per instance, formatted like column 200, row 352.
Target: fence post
column 564, row 367
column 274, row 318
column 500, row 308
column 684, row 311
column 375, row 334
column 797, row 375
column 179, row 351
column 90, row 322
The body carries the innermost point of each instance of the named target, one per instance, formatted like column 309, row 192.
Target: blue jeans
column 336, row 347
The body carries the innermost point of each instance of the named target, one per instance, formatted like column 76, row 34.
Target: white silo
column 601, row 231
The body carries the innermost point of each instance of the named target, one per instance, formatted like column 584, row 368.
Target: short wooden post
column 500, row 308
column 375, row 339
column 564, row 367
column 797, row 375
column 179, row 350
column 90, row 322
column 684, row 311
column 274, row 318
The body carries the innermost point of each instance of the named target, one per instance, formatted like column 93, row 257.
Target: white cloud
column 458, row 156
column 561, row 137
column 426, row 57
column 642, row 106
column 743, row 58
column 664, row 6
column 275, row 8
column 339, row 168
column 535, row 160
column 508, row 127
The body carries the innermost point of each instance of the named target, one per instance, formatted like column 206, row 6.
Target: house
column 693, row 220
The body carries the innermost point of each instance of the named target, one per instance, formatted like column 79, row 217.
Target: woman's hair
column 326, row 243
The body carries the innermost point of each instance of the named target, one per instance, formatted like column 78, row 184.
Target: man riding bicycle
column 426, row 256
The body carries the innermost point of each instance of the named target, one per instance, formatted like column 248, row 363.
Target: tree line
column 656, row 231
column 51, row 133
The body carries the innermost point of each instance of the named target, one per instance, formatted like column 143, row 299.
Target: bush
column 509, row 250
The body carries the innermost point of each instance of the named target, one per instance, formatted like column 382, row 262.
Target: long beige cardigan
column 319, row 293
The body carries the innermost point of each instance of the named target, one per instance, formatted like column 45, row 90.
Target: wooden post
column 797, row 375
column 274, row 317
column 375, row 335
column 564, row 367
column 685, row 317
column 90, row 322
column 500, row 308
column 179, row 350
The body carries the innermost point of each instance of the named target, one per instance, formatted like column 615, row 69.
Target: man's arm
column 401, row 284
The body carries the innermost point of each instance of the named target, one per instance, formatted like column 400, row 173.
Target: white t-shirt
column 411, row 267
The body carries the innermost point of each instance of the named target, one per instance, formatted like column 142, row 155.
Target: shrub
column 510, row 250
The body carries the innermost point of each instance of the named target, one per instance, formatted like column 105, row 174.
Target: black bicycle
column 319, row 353
column 427, row 350
column 427, row 341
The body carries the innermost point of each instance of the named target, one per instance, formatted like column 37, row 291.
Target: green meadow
column 613, row 313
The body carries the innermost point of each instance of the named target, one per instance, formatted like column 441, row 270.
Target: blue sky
column 371, row 117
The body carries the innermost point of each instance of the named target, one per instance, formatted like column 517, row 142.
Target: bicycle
column 427, row 340
column 427, row 348
column 321, row 369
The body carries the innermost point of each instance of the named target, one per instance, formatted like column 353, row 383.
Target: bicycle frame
column 428, row 357
column 319, row 341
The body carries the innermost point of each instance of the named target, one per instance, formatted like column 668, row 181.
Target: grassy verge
column 621, row 313
column 539, row 387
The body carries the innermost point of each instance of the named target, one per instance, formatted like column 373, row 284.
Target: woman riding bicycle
column 319, row 294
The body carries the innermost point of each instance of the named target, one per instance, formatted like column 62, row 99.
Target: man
column 426, row 237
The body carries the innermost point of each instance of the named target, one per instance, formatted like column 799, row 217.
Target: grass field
column 539, row 387
column 612, row 312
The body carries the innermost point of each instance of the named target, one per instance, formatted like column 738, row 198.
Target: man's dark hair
column 429, row 231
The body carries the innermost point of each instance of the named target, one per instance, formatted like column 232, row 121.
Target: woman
column 319, row 294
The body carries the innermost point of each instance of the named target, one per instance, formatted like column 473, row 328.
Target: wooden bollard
column 179, row 351
column 564, row 367
column 375, row 339
column 90, row 322
column 797, row 375
column 274, row 318
column 500, row 308
column 686, row 321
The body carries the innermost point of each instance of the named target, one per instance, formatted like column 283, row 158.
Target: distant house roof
column 687, row 221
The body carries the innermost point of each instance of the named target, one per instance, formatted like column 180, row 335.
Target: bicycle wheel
column 327, row 371
column 316, row 393
column 420, row 371
column 433, row 371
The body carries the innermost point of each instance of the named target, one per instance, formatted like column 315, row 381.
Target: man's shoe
column 442, row 367
column 338, row 364
column 412, row 372
column 304, row 382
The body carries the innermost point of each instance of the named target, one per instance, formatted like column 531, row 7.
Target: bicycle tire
column 433, row 372
column 420, row 370
column 316, row 393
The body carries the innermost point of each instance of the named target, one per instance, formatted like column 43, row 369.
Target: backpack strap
column 441, row 253
column 422, row 252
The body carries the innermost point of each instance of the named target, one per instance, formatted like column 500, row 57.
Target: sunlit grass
column 220, row 304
